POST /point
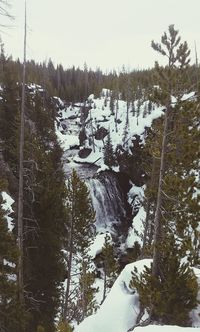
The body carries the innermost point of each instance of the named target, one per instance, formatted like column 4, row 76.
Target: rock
column 84, row 153
column 72, row 117
column 101, row 133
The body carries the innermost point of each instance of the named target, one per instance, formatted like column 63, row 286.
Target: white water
column 107, row 201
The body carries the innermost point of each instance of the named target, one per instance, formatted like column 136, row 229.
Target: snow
column 135, row 198
column 68, row 125
column 185, row 97
column 97, row 245
column 195, row 312
column 5, row 262
column 66, row 141
column 94, row 157
column 119, row 310
column 103, row 168
column 165, row 328
column 137, row 229
column 7, row 206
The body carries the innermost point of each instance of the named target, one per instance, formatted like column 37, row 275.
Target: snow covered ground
column 119, row 311
column 100, row 115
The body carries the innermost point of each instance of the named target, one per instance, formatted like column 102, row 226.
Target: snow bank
column 120, row 309
column 98, row 243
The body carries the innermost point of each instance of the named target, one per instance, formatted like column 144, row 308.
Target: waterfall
column 108, row 201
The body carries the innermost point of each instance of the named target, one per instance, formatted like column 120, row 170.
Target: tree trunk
column 148, row 208
column 67, row 293
column 104, row 285
column 92, row 132
column 158, row 222
column 21, row 171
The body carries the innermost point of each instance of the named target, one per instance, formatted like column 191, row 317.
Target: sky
column 101, row 33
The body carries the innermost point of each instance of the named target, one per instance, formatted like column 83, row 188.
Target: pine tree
column 112, row 102
column 86, row 302
column 109, row 158
column 173, row 223
column 80, row 229
column 44, row 216
column 168, row 300
column 11, row 314
column 9, row 112
column 110, row 265
column 133, row 107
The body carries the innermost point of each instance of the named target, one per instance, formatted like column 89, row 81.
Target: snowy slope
column 68, row 124
column 119, row 311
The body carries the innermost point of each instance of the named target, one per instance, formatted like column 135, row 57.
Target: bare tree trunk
column 104, row 285
column 146, row 225
column 84, row 306
column 67, row 293
column 92, row 132
column 148, row 208
column 157, row 222
column 116, row 115
column 21, row 171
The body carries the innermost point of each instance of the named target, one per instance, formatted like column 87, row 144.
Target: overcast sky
column 102, row 33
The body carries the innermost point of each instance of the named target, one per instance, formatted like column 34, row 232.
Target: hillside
column 108, row 234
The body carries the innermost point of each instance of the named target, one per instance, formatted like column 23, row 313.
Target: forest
column 100, row 185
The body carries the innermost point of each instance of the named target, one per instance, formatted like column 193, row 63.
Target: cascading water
column 108, row 201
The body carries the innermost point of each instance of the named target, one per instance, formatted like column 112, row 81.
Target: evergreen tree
column 9, row 112
column 86, row 302
column 109, row 158
column 11, row 315
column 168, row 300
column 112, row 102
column 80, row 229
column 44, row 216
column 110, row 265
column 133, row 107
column 172, row 224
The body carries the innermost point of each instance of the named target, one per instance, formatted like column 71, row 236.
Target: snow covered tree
column 168, row 300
